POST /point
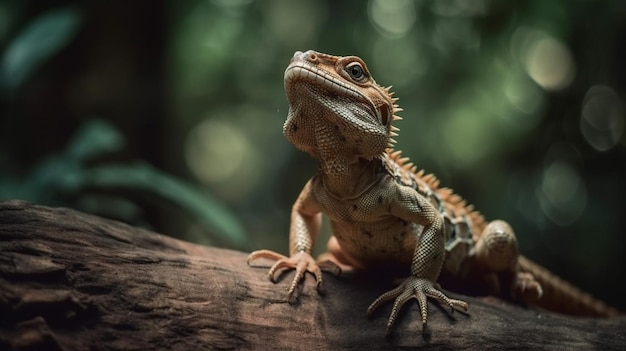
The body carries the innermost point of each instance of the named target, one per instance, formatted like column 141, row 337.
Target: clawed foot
column 302, row 262
column 527, row 287
column 418, row 288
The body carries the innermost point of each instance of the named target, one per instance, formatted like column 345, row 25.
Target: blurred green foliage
column 68, row 180
column 42, row 37
column 517, row 105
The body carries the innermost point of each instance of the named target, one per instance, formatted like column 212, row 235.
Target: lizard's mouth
column 303, row 72
column 302, row 76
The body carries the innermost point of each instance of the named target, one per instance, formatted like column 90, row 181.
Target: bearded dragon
column 384, row 213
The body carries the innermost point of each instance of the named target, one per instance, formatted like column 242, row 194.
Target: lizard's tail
column 563, row 297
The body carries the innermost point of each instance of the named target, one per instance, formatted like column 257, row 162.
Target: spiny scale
column 449, row 203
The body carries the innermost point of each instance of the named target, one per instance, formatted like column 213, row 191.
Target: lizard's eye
column 355, row 70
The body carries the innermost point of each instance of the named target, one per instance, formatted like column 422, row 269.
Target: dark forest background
column 168, row 114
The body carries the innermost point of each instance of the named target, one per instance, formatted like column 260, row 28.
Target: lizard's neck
column 353, row 180
column 348, row 179
column 342, row 171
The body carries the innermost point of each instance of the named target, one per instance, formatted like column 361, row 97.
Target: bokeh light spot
column 550, row 64
column 562, row 194
column 602, row 118
column 392, row 18
column 216, row 151
column 546, row 60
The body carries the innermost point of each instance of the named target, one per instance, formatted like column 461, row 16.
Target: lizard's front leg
column 427, row 259
column 306, row 220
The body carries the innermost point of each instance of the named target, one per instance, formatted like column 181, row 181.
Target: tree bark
column 72, row 281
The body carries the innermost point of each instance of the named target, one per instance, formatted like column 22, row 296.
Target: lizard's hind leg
column 496, row 251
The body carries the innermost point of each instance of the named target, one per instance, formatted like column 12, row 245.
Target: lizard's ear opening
column 384, row 114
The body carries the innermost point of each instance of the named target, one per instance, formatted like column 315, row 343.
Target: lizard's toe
column 330, row 267
column 527, row 287
column 443, row 299
column 269, row 254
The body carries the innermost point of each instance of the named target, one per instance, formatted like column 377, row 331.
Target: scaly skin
column 383, row 213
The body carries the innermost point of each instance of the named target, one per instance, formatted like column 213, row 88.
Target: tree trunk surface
column 72, row 281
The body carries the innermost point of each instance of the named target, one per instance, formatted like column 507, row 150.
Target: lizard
column 384, row 213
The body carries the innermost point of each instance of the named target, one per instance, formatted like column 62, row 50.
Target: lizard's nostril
column 310, row 56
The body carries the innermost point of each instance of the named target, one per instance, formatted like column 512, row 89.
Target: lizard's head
column 335, row 104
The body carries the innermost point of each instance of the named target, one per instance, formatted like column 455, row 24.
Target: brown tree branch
column 71, row 281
